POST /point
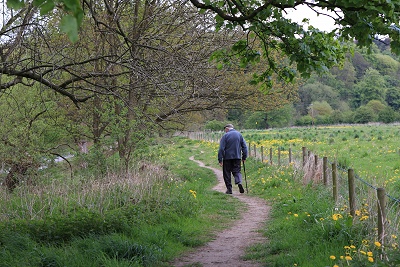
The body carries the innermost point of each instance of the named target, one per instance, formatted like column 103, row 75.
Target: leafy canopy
column 308, row 50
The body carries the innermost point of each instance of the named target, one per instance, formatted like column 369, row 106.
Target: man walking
column 232, row 151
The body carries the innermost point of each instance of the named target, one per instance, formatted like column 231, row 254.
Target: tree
column 137, row 66
column 388, row 115
column 393, row 97
column 360, row 64
column 313, row 51
column 371, row 87
column 386, row 65
column 376, row 105
column 317, row 91
column 364, row 114
column 32, row 133
column 321, row 108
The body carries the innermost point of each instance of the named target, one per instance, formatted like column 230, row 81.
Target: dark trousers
column 229, row 167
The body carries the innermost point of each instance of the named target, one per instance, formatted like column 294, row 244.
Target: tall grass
column 162, row 207
column 90, row 193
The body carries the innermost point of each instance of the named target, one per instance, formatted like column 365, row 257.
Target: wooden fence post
column 352, row 192
column 249, row 148
column 325, row 169
column 290, row 155
column 255, row 151
column 304, row 155
column 270, row 156
column 381, row 215
column 262, row 154
column 334, row 182
column 315, row 162
column 279, row 156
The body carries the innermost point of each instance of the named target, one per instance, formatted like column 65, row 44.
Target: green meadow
column 371, row 150
column 166, row 206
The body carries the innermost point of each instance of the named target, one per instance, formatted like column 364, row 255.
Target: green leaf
column 47, row 7
column 15, row 4
column 38, row 2
column 69, row 25
column 72, row 5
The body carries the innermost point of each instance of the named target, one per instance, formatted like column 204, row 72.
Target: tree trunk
column 15, row 175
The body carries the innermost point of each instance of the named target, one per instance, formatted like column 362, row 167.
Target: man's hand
column 221, row 164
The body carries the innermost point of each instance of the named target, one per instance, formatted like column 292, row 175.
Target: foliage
column 214, row 125
column 32, row 133
column 365, row 114
column 70, row 22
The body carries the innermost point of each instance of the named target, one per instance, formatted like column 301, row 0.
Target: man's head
column 228, row 127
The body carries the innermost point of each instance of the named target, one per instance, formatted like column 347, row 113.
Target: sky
column 323, row 23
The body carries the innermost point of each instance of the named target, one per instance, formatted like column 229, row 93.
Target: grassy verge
column 306, row 228
column 144, row 219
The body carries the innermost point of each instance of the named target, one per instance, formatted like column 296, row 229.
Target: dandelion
column 370, row 259
column 370, row 254
column 296, row 215
column 378, row 244
column 193, row 193
column 332, row 257
column 335, row 265
column 365, row 242
column 348, row 258
column 337, row 216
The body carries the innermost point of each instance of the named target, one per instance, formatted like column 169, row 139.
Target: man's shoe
column 228, row 192
column 241, row 190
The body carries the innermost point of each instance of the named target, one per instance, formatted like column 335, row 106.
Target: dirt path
column 228, row 246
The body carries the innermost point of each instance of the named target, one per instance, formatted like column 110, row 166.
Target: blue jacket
column 232, row 146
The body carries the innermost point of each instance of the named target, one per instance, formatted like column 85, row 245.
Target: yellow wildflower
column 193, row 193
column 370, row 259
column 378, row 244
column 332, row 257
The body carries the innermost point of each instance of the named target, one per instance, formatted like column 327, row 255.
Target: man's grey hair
column 229, row 126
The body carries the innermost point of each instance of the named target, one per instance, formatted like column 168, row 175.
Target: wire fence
column 350, row 191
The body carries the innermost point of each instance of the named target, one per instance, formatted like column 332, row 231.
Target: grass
column 307, row 228
column 162, row 210
column 144, row 219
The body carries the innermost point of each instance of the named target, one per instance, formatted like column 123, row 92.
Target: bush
column 388, row 115
column 364, row 115
column 214, row 125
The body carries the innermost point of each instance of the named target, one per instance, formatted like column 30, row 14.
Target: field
column 371, row 150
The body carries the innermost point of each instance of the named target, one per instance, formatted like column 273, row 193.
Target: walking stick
column 245, row 176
